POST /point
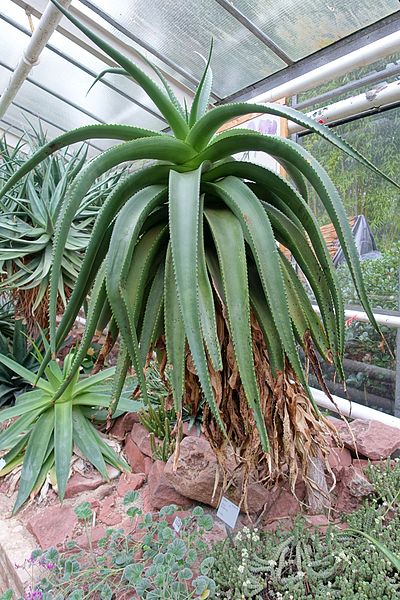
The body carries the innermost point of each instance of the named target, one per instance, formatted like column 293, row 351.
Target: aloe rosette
column 27, row 226
column 186, row 251
column 45, row 433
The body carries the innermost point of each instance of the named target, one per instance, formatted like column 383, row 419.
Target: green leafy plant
column 43, row 435
column 6, row 318
column 185, row 250
column 22, row 352
column 10, row 158
column 27, row 229
column 162, row 565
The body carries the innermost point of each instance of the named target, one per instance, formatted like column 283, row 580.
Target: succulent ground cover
column 361, row 560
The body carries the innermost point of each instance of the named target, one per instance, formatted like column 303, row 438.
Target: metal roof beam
column 391, row 70
column 255, row 30
column 82, row 67
column 356, row 105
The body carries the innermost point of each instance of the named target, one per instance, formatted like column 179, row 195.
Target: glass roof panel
column 15, row 122
column 301, row 27
column 105, row 104
column 180, row 30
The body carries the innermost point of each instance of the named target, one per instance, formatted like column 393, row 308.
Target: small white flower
column 272, row 563
column 241, row 568
column 300, row 574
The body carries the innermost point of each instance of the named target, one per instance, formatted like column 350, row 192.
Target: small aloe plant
column 186, row 251
column 44, row 434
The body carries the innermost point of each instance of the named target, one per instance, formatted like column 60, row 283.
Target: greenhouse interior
column 199, row 405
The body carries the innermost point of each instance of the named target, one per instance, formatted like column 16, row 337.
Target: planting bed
column 44, row 522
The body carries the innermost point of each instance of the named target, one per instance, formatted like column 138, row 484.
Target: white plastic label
column 177, row 524
column 228, row 512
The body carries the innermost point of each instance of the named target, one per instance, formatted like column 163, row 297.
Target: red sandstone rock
column 52, row 525
column 339, row 458
column 193, row 431
column 360, row 464
column 161, row 492
column 319, row 522
column 282, row 503
column 79, row 483
column 108, row 513
column 351, row 490
column 96, row 533
column 373, row 439
column 357, row 483
column 147, row 500
column 195, row 475
column 123, row 425
column 134, row 456
column 129, row 482
column 148, row 463
column 141, row 437
column 118, row 429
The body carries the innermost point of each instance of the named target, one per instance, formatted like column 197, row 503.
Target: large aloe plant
column 27, row 224
column 186, row 251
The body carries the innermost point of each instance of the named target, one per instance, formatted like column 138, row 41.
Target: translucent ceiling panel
column 34, row 101
column 22, row 121
column 180, row 30
column 72, row 83
column 301, row 27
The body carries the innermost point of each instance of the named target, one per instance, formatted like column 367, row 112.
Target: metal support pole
column 397, row 389
column 30, row 57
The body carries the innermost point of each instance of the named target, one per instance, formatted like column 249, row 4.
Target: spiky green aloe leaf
column 260, row 237
column 175, row 337
column 34, row 456
column 62, row 443
column 229, row 241
column 158, row 148
column 184, row 219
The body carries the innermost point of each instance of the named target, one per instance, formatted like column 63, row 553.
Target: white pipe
column 352, row 409
column 389, row 44
column 359, row 315
column 376, row 98
column 30, row 57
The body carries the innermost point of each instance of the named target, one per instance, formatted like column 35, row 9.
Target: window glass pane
column 370, row 368
column 180, row 30
column 370, row 363
column 370, row 196
column 301, row 27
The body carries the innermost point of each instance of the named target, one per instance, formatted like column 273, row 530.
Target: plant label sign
column 177, row 524
column 228, row 512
